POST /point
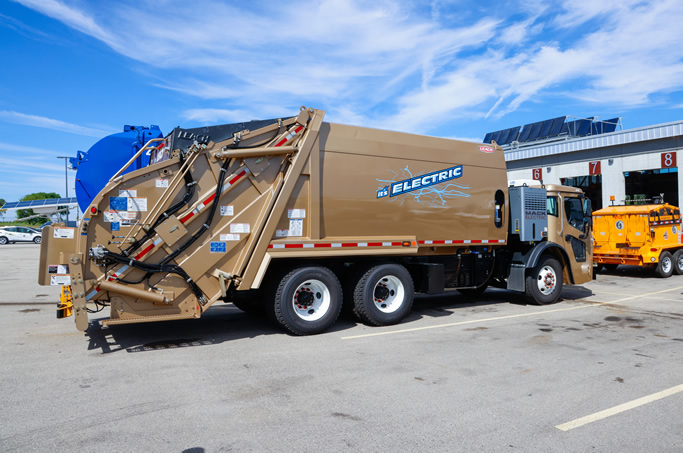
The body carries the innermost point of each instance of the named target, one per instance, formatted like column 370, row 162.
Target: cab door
column 577, row 235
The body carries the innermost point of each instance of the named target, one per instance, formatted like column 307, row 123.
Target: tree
column 2, row 211
column 21, row 213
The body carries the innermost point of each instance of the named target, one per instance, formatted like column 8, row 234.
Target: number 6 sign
column 537, row 174
column 669, row 159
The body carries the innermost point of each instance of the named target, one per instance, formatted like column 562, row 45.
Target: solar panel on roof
column 545, row 128
column 496, row 136
column 514, row 133
column 556, row 128
column 585, row 127
column 37, row 203
column 573, row 127
column 503, row 137
column 610, row 125
column 535, row 129
column 487, row 137
column 524, row 136
column 597, row 127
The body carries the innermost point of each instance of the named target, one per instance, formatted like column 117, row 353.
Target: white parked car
column 11, row 234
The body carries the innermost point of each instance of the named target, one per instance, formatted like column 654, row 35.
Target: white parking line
column 620, row 408
column 473, row 321
column 588, row 303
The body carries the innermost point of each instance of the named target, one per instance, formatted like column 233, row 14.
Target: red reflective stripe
column 187, row 217
column 144, row 252
column 476, row 241
column 209, row 200
column 233, row 180
column 294, row 246
column 374, row 244
column 322, row 245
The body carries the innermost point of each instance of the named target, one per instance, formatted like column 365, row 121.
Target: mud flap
column 517, row 276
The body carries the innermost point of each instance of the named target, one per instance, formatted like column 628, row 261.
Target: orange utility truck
column 641, row 235
column 297, row 216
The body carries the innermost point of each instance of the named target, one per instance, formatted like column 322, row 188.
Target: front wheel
column 665, row 267
column 678, row 262
column 307, row 300
column 3, row 240
column 544, row 282
column 383, row 295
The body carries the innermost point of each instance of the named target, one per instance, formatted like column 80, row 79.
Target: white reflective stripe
column 309, row 246
column 123, row 269
column 467, row 241
column 386, row 244
column 449, row 242
column 429, row 242
column 90, row 295
column 362, row 244
column 278, row 246
column 485, row 241
column 157, row 241
column 336, row 245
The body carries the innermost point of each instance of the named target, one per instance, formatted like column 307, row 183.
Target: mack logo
column 419, row 182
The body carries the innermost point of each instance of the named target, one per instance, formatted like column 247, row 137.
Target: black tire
column 383, row 295
column 611, row 267
column 678, row 262
column 665, row 266
column 544, row 282
column 36, row 239
column 3, row 240
column 307, row 300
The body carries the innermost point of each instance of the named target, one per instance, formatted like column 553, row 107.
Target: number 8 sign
column 669, row 159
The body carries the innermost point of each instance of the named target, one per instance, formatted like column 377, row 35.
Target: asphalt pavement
column 602, row 370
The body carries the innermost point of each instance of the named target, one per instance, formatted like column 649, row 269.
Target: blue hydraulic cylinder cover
column 96, row 166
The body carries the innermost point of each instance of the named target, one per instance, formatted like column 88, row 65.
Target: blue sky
column 75, row 70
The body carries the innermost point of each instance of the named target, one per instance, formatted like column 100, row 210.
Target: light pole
column 66, row 185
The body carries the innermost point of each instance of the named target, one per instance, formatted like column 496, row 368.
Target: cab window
column 551, row 204
column 574, row 209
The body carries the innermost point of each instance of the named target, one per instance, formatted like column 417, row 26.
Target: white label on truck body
column 163, row 183
column 118, row 216
column 239, row 228
column 128, row 193
column 230, row 237
column 296, row 213
column 60, row 280
column 296, row 227
column 137, row 204
column 64, row 233
column 227, row 210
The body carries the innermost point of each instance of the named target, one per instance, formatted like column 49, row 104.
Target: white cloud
column 49, row 123
column 400, row 65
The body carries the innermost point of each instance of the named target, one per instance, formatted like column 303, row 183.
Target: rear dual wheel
column 383, row 295
column 678, row 262
column 665, row 267
column 307, row 300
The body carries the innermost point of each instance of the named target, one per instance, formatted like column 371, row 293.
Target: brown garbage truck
column 296, row 217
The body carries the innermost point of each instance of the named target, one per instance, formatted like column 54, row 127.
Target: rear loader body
column 297, row 216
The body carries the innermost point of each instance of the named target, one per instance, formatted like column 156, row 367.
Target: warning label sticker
column 118, row 216
column 239, row 228
column 163, row 183
column 60, row 280
column 227, row 210
column 296, row 213
column 281, row 233
column 57, row 269
column 296, row 227
column 128, row 193
column 64, row 233
column 230, row 237
column 137, row 204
